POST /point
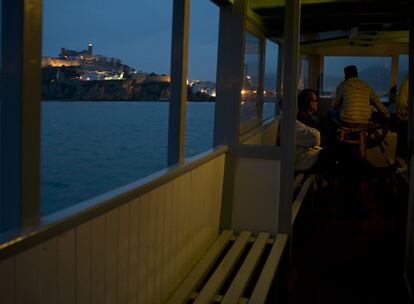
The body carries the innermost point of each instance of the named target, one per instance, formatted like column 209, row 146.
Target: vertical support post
column 229, row 73
column 179, row 67
column 288, row 121
column 260, row 89
column 409, row 241
column 411, row 91
column 394, row 69
column 280, row 80
column 20, row 114
column 315, row 72
column 409, row 238
column 229, row 84
column 321, row 75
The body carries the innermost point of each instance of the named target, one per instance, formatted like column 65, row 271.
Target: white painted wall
column 136, row 253
column 256, row 195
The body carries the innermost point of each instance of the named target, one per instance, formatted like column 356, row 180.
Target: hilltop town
column 83, row 75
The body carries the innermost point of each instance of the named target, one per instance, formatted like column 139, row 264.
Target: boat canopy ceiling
column 362, row 21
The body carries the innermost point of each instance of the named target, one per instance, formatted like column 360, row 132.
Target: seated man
column 338, row 160
column 307, row 146
column 352, row 105
column 401, row 106
column 354, row 99
column 399, row 120
column 307, row 107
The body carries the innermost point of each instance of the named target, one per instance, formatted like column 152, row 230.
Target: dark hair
column 350, row 71
column 304, row 99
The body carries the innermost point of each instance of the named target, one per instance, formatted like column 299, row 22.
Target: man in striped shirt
column 401, row 105
column 354, row 98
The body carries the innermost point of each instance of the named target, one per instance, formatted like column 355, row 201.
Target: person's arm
column 338, row 96
column 401, row 106
column 307, row 136
column 378, row 104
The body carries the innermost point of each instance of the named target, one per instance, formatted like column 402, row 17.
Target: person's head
column 308, row 101
column 351, row 71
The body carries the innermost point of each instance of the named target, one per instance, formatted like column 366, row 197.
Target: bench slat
column 201, row 269
column 266, row 277
column 300, row 197
column 223, row 270
column 239, row 283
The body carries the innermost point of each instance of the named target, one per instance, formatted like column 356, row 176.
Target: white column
column 20, row 113
column 179, row 67
column 289, row 106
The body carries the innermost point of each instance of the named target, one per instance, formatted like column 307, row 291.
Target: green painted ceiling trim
column 263, row 4
column 256, row 19
column 358, row 41
column 250, row 14
column 223, row 2
column 327, row 43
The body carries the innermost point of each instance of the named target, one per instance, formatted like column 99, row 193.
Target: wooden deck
column 350, row 248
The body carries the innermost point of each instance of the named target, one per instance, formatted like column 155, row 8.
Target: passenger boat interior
column 235, row 224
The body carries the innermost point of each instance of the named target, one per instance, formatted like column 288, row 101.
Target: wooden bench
column 301, row 185
column 239, row 268
column 236, row 269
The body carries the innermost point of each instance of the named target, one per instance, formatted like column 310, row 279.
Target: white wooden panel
column 197, row 207
column 151, row 232
column 204, row 174
column 83, row 264
column 210, row 204
column 137, row 253
column 195, row 217
column 48, row 272
column 179, row 250
column 98, row 260
column 218, row 190
column 218, row 176
column 256, row 198
column 159, row 204
column 143, row 248
column 133, row 252
column 168, row 260
column 67, row 268
column 174, row 236
column 207, row 200
column 27, row 276
column 111, row 256
column 7, row 281
column 187, row 203
column 123, row 253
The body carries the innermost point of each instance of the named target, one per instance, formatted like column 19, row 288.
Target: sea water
column 89, row 148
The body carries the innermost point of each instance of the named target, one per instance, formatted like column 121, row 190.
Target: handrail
column 297, row 203
column 61, row 221
column 254, row 131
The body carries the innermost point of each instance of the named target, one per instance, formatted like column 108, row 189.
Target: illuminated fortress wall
column 159, row 78
column 56, row 62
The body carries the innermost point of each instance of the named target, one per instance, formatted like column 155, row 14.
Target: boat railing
column 264, row 134
column 137, row 242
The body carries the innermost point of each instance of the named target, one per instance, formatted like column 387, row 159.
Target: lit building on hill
column 89, row 65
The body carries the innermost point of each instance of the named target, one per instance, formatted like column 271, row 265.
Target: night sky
column 139, row 33
column 136, row 31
